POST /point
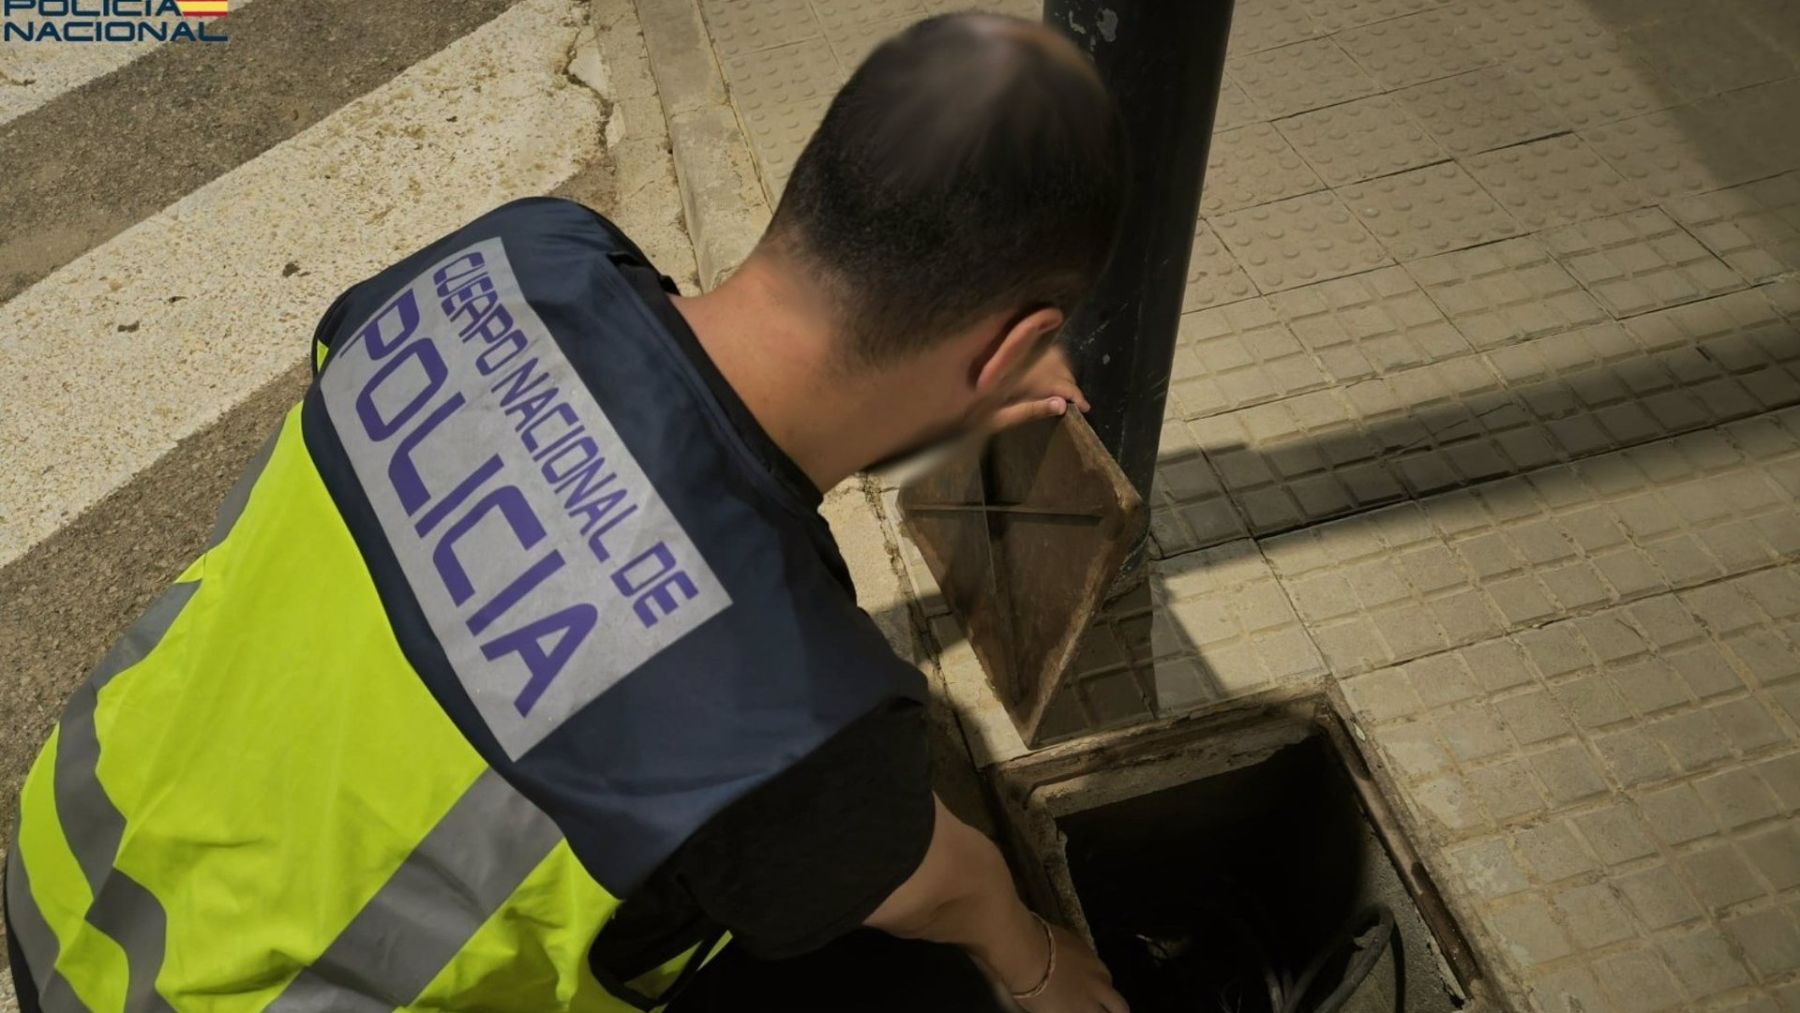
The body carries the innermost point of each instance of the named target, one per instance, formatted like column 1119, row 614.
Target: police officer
column 522, row 672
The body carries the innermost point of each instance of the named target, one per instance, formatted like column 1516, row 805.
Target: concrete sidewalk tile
column 1337, row 15
column 1235, row 108
column 1296, row 460
column 1521, row 29
column 1237, row 355
column 741, row 27
column 1677, row 152
column 781, row 94
column 1640, row 261
column 1598, row 81
column 1754, row 227
column 1253, row 165
column 1506, row 292
column 1257, row 25
column 1362, row 139
column 1552, row 182
column 1299, row 241
column 1777, row 21
column 1412, row 49
column 1701, row 53
column 852, row 41
column 1429, row 211
column 1481, row 110
column 1369, row 324
column 1746, row 116
column 1302, row 76
column 1214, row 276
column 1189, row 508
column 839, row 14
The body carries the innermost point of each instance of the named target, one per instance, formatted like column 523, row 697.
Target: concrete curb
column 720, row 192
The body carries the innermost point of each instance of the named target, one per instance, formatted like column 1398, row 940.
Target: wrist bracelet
column 1049, row 967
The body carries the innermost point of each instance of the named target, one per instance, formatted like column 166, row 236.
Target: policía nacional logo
column 117, row 21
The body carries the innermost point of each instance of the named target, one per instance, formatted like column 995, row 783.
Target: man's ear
column 1018, row 348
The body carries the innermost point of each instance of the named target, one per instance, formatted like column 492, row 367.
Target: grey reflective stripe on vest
column 36, row 940
column 235, row 500
column 458, row 876
column 93, row 826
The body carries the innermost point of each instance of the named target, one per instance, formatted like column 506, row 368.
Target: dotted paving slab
column 1253, row 165
column 739, row 29
column 781, row 94
column 1337, row 15
column 1506, row 292
column 1592, row 82
column 1299, row 241
column 1360, row 140
column 1552, row 182
column 1235, row 108
column 1613, row 796
column 1412, row 49
column 1236, row 355
column 1481, row 110
column 1268, row 24
column 1214, row 276
column 1679, row 152
column 1754, row 227
column 1517, row 30
column 1403, row 582
column 1429, row 211
column 1300, row 77
column 854, row 40
column 1640, row 261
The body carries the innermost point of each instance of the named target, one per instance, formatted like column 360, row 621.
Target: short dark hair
column 972, row 164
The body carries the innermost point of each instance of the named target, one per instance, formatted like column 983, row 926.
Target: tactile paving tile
column 781, row 95
column 1299, row 241
column 1555, row 181
column 1359, row 140
column 1402, row 582
column 853, row 41
column 1188, row 506
column 844, row 13
column 1678, row 152
column 1214, row 276
column 1640, row 261
column 1610, row 796
column 1412, row 50
column 1303, row 76
column 741, row 27
column 1235, row 108
column 1221, row 608
column 1428, row 211
column 1369, row 324
column 1597, row 81
column 1703, row 53
column 1508, row 30
column 1253, row 165
column 1506, row 292
column 1257, row 25
column 1754, row 227
column 1236, row 355
column 1480, row 110
column 1338, row 15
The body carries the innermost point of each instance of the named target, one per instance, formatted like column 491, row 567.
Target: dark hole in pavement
column 1246, row 877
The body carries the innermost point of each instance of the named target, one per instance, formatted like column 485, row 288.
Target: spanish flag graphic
column 203, row 8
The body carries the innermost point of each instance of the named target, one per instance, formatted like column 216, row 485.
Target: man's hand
column 1046, row 391
column 1080, row 983
column 962, row 893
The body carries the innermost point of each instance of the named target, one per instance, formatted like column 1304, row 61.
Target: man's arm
column 962, row 893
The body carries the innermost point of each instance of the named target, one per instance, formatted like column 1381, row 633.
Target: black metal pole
column 1164, row 61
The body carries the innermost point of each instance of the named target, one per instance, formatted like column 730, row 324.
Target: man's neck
column 773, row 343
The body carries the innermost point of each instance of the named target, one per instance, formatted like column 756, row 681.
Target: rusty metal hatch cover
column 1025, row 540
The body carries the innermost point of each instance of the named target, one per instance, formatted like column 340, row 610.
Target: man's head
column 960, row 196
